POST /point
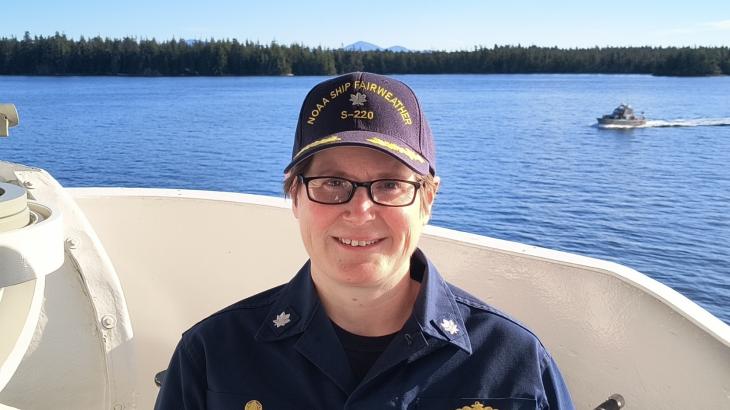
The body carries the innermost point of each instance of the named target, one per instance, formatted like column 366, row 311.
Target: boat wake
column 699, row 122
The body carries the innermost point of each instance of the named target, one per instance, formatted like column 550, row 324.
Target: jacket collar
column 435, row 312
column 293, row 309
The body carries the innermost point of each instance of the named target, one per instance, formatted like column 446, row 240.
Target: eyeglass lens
column 389, row 192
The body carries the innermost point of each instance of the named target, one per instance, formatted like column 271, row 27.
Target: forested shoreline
column 60, row 55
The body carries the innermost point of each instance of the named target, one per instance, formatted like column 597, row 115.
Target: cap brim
column 381, row 142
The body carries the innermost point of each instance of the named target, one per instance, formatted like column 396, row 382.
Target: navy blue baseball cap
column 365, row 109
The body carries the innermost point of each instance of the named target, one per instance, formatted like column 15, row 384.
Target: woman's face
column 385, row 236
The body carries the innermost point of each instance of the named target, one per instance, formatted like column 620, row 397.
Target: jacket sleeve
column 556, row 391
column 184, row 385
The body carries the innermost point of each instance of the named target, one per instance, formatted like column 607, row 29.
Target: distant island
column 60, row 55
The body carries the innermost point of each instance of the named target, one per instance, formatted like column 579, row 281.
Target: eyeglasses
column 336, row 190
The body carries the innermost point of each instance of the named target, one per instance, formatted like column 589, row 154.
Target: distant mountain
column 362, row 46
column 398, row 49
column 365, row 46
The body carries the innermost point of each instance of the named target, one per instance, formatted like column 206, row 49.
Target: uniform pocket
column 504, row 403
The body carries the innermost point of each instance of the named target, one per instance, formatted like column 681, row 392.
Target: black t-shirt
column 362, row 351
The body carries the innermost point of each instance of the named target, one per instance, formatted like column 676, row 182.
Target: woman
column 368, row 322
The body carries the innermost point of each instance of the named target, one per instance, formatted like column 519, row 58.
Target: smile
column 355, row 243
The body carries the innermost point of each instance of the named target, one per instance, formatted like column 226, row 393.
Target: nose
column 360, row 207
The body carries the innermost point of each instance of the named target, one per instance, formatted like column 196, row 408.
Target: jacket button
column 409, row 339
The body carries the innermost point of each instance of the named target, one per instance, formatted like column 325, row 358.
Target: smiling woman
column 368, row 321
column 392, row 231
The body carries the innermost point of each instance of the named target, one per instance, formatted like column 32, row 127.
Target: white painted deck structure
column 90, row 314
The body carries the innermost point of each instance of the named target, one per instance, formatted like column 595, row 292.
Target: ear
column 430, row 198
column 293, row 194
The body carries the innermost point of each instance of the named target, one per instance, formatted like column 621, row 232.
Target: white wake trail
column 697, row 122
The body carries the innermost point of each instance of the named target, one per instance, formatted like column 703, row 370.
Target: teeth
column 352, row 242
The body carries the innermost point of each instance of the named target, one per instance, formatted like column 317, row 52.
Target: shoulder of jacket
column 260, row 301
column 473, row 307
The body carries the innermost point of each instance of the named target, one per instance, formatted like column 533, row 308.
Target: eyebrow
column 343, row 174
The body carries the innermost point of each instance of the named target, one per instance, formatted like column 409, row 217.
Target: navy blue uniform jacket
column 278, row 350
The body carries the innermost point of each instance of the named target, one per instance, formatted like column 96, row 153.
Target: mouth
column 354, row 243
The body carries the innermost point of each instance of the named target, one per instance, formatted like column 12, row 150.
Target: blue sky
column 417, row 25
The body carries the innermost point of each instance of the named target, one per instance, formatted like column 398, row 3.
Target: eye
column 392, row 185
column 333, row 184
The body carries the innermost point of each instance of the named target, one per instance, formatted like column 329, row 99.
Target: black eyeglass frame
column 366, row 184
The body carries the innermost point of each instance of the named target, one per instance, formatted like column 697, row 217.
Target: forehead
column 347, row 157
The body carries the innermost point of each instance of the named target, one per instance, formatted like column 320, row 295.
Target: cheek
column 315, row 221
column 407, row 224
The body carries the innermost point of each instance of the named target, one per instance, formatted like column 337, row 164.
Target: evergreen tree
column 59, row 55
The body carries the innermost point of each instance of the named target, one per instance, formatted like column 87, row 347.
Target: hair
column 291, row 183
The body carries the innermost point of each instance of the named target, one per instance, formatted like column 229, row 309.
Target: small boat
column 623, row 115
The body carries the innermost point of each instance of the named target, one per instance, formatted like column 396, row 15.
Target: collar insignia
column 449, row 326
column 281, row 320
column 477, row 406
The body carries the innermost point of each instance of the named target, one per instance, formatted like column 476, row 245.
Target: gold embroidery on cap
column 320, row 106
column 253, row 405
column 397, row 148
column 341, row 89
column 476, row 406
column 327, row 140
column 388, row 96
column 316, row 110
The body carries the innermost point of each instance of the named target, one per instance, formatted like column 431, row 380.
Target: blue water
column 519, row 156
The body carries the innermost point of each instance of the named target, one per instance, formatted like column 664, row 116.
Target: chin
column 362, row 274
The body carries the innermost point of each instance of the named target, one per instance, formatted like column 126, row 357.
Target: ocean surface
column 520, row 156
